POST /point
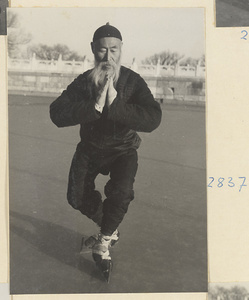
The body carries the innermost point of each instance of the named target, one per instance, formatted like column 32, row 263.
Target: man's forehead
column 109, row 42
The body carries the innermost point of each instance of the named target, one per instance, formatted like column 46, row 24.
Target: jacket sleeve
column 73, row 106
column 142, row 114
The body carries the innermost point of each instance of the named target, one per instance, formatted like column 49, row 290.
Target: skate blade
column 84, row 249
column 107, row 275
column 106, row 268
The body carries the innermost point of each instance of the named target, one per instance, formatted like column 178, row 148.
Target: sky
column 145, row 31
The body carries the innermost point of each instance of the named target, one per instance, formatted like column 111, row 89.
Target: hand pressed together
column 111, row 92
column 107, row 94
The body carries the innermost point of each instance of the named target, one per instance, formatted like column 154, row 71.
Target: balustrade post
column 158, row 68
column 197, row 69
column 33, row 62
column 53, row 65
column 85, row 64
column 176, row 70
column 59, row 63
column 134, row 65
column 73, row 65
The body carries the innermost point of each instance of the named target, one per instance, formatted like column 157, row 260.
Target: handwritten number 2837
column 245, row 33
column 222, row 182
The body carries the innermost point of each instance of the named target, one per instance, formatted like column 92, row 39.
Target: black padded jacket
column 133, row 110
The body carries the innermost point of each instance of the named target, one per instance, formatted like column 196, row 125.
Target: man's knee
column 86, row 204
column 118, row 192
column 73, row 200
column 118, row 199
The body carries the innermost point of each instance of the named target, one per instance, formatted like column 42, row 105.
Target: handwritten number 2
column 245, row 34
column 211, row 182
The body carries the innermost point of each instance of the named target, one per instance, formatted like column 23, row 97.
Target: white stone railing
column 77, row 67
column 37, row 65
column 171, row 70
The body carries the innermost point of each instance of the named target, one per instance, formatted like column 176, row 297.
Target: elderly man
column 111, row 103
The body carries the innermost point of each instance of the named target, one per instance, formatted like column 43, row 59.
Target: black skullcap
column 106, row 31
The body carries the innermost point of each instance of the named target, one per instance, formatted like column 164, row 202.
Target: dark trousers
column 122, row 168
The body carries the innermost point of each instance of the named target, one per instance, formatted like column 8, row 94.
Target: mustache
column 102, row 70
column 104, row 65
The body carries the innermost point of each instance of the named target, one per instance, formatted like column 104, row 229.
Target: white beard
column 102, row 71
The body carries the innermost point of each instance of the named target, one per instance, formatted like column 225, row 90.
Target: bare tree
column 172, row 58
column 16, row 35
column 222, row 293
column 238, row 293
column 46, row 52
column 164, row 58
column 218, row 291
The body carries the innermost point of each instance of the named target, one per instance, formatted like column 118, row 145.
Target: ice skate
column 101, row 255
column 90, row 242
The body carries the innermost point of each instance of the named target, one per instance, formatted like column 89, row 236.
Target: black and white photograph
column 232, row 13
column 107, row 150
column 228, row 291
column 3, row 27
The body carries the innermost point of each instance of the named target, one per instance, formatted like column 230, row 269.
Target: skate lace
column 102, row 247
column 115, row 235
column 106, row 255
column 105, row 239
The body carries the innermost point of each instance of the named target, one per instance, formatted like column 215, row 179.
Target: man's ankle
column 106, row 233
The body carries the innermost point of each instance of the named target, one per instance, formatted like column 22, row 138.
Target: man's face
column 107, row 50
column 107, row 53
